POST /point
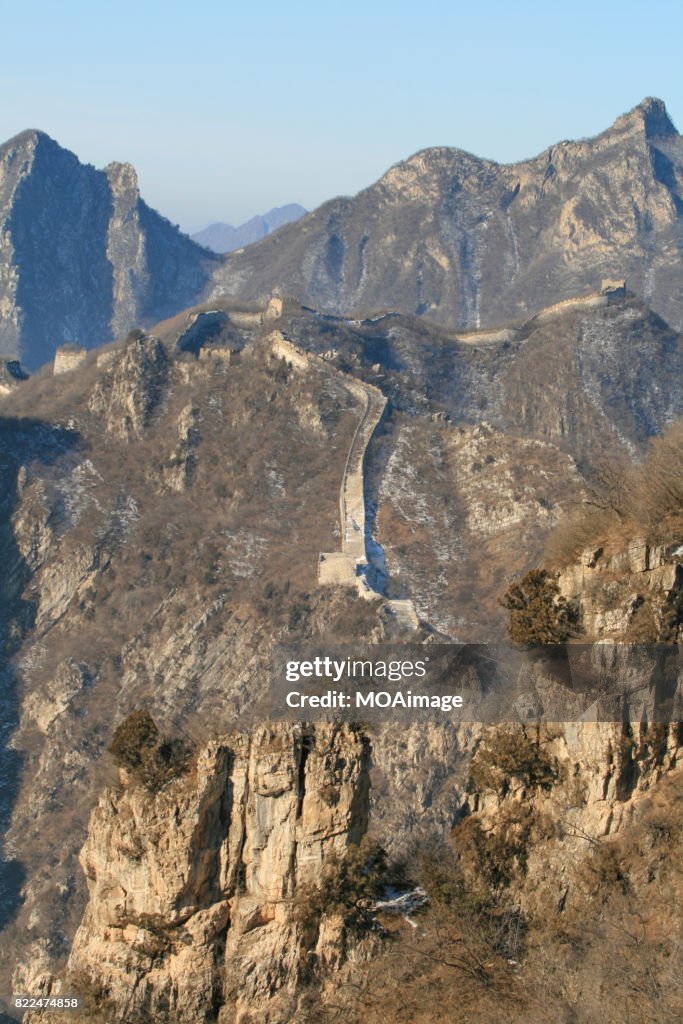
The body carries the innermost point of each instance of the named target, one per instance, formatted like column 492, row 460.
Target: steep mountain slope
column 82, row 257
column 473, row 243
column 562, row 874
column 222, row 238
column 485, row 442
column 163, row 515
column 162, row 523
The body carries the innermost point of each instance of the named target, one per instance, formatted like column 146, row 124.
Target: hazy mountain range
column 469, row 242
column 222, row 238
column 462, row 240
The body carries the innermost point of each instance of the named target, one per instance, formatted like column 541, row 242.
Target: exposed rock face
column 177, row 473
column 472, row 243
column 191, row 889
column 130, row 388
column 601, row 772
column 82, row 257
column 635, row 592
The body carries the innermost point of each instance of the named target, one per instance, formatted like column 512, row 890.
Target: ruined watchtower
column 68, row 357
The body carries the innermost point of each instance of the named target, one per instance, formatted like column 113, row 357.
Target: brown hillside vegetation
column 168, row 513
column 604, row 948
column 627, row 499
column 162, row 523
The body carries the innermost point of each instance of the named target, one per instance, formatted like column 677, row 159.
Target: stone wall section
column 350, row 566
column 67, row 358
column 611, row 292
column 346, row 567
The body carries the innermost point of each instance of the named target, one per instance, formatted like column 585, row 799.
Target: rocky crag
column 192, row 890
column 82, row 256
column 195, row 891
column 636, row 591
column 471, row 243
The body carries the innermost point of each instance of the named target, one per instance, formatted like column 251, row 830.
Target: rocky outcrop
column 130, row 387
column 597, row 775
column 82, row 257
column 634, row 592
column 177, row 471
column 471, row 243
column 191, row 889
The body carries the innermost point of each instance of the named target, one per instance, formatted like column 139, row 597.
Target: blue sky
column 228, row 109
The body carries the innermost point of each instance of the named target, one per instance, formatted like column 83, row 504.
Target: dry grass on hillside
column 627, row 500
column 604, row 951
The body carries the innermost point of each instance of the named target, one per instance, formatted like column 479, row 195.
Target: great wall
column 611, row 291
column 350, row 566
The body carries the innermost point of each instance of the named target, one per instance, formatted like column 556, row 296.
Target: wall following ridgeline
column 345, row 567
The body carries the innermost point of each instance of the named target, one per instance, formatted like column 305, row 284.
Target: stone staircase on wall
column 350, row 566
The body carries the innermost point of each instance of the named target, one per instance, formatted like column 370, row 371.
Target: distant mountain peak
column 222, row 238
column 649, row 116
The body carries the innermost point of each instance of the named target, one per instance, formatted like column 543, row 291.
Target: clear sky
column 227, row 109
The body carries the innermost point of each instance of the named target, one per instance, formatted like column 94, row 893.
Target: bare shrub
column 347, row 887
column 138, row 747
column 626, row 500
column 538, row 612
column 507, row 756
column 475, row 924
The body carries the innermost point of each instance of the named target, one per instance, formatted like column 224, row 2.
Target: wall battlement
column 68, row 358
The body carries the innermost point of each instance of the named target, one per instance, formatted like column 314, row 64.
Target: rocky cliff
column 82, row 257
column 472, row 243
column 562, row 833
column 557, row 895
column 635, row 592
column 192, row 890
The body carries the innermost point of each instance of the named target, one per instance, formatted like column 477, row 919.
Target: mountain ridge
column 472, row 242
column 82, row 256
column 467, row 241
